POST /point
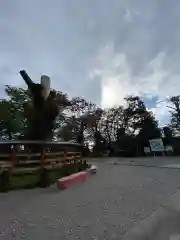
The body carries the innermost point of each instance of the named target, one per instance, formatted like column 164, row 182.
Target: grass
column 24, row 181
column 31, row 180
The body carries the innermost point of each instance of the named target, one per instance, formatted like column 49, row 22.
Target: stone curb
column 163, row 224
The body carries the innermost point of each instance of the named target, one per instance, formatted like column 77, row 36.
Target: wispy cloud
column 117, row 80
column 115, row 74
column 101, row 50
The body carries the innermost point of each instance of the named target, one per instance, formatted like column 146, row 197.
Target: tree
column 135, row 112
column 62, row 101
column 66, row 132
column 167, row 136
column 140, row 122
column 12, row 111
column 16, row 110
column 85, row 116
column 8, row 127
column 149, row 128
column 79, row 107
column 167, row 132
column 139, row 119
column 175, row 114
column 108, row 125
column 111, row 121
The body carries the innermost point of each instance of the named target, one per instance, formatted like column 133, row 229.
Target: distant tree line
column 126, row 128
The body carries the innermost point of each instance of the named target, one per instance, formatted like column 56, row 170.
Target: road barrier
column 76, row 178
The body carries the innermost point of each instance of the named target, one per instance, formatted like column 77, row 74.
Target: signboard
column 156, row 145
column 147, row 149
column 168, row 148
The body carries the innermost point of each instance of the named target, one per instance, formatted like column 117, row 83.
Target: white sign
column 168, row 148
column 156, row 145
column 147, row 150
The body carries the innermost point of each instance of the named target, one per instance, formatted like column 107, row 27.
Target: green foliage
column 149, row 130
column 80, row 106
column 175, row 114
column 15, row 111
column 125, row 124
column 12, row 111
column 111, row 124
column 140, row 119
column 66, row 132
column 111, row 120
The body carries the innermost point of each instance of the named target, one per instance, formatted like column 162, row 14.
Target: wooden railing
column 22, row 157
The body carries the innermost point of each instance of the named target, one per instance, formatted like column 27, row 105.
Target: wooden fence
column 24, row 157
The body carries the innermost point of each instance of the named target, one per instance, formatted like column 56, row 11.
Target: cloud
column 101, row 50
column 161, row 112
column 117, row 80
column 127, row 16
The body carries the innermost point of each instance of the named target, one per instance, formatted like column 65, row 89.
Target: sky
column 102, row 50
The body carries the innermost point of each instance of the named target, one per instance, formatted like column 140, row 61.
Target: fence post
column 43, row 158
column 4, row 180
column 12, row 158
column 43, row 181
column 65, row 155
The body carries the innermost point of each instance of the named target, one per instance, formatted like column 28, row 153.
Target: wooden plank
column 27, row 154
column 5, row 155
column 5, row 163
column 47, row 160
column 20, row 170
column 39, row 154
column 28, row 161
column 54, row 154
column 26, row 170
column 4, row 166
column 2, row 162
column 21, row 142
column 70, row 157
column 59, row 159
column 59, row 165
column 72, row 153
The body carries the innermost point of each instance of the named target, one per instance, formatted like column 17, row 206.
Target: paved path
column 105, row 207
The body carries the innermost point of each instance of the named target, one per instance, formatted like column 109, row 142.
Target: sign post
column 147, row 150
column 156, row 145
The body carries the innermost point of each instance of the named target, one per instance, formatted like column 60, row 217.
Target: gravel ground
column 104, row 207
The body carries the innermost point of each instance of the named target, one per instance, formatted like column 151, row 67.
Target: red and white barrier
column 75, row 178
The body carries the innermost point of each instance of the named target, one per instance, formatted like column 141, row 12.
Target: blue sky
column 102, row 50
column 150, row 103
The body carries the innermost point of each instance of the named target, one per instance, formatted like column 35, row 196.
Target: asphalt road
column 104, row 207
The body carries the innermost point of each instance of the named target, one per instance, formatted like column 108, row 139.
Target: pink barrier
column 65, row 182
